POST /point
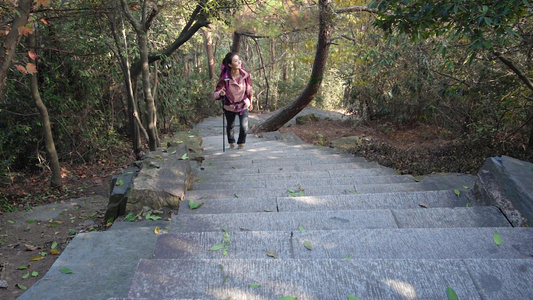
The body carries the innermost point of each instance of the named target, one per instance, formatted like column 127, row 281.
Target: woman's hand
column 222, row 92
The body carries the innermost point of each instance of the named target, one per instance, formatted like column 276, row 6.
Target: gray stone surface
column 285, row 221
column 481, row 216
column 502, row 278
column 308, row 190
column 276, row 183
column 395, row 243
column 102, row 264
column 303, row 279
column 399, row 200
column 508, row 184
column 162, row 182
column 233, row 205
column 218, row 177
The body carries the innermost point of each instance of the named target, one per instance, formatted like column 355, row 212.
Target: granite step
column 395, row 243
column 285, row 169
column 333, row 279
column 238, row 192
column 259, row 163
column 483, row 216
column 397, row 200
column 347, row 173
column 254, row 183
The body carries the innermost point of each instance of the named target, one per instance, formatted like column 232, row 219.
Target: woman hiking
column 234, row 88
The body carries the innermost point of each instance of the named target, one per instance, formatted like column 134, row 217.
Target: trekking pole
column 223, row 129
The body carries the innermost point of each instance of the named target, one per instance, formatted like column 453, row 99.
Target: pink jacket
column 239, row 91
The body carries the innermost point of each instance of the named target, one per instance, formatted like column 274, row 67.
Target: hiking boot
column 241, row 146
column 232, row 145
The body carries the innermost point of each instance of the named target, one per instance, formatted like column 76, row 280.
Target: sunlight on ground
column 403, row 288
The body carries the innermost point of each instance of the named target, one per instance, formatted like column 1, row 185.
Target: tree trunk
column 148, row 97
column 8, row 47
column 208, row 38
column 120, row 52
column 47, row 129
column 236, row 43
column 288, row 112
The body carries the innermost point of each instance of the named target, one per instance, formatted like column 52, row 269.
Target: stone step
column 333, row 279
column 238, row 192
column 271, row 148
column 347, row 173
column 398, row 200
column 402, row 243
column 483, row 216
column 281, row 162
column 253, row 183
column 102, row 263
column 284, row 169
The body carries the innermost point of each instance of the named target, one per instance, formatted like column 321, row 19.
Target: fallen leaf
column 158, row 156
column 423, row 205
column 20, row 286
column 54, row 252
column 307, row 245
column 156, row 230
column 497, row 238
column 184, row 156
column 217, row 247
column 34, row 274
column 22, row 267
column 65, row 270
column 26, row 275
column 30, row 247
column 465, row 187
column 348, row 257
column 33, row 55
column 301, row 228
column 11, row 222
column 54, row 245
column 287, row 298
column 194, row 205
column 457, row 192
column 36, row 258
column 452, row 295
column 350, row 297
column 254, row 286
column 271, row 254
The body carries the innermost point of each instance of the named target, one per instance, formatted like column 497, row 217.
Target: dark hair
column 228, row 58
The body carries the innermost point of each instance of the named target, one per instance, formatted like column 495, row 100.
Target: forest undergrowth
column 416, row 148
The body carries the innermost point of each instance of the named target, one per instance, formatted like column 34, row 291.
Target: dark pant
column 230, row 129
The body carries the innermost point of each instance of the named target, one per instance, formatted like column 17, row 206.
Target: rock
column 347, row 143
column 120, row 190
column 192, row 139
column 3, row 284
column 276, row 135
column 307, row 119
column 507, row 183
column 163, row 180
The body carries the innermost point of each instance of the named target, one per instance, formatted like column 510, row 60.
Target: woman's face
column 235, row 62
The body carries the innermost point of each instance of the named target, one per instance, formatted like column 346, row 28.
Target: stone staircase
column 292, row 220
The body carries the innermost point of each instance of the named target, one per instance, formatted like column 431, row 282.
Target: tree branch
column 515, row 69
column 355, row 9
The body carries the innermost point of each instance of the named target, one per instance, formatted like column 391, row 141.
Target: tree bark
column 236, row 43
column 288, row 112
column 208, row 38
column 47, row 129
column 141, row 29
column 8, row 47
